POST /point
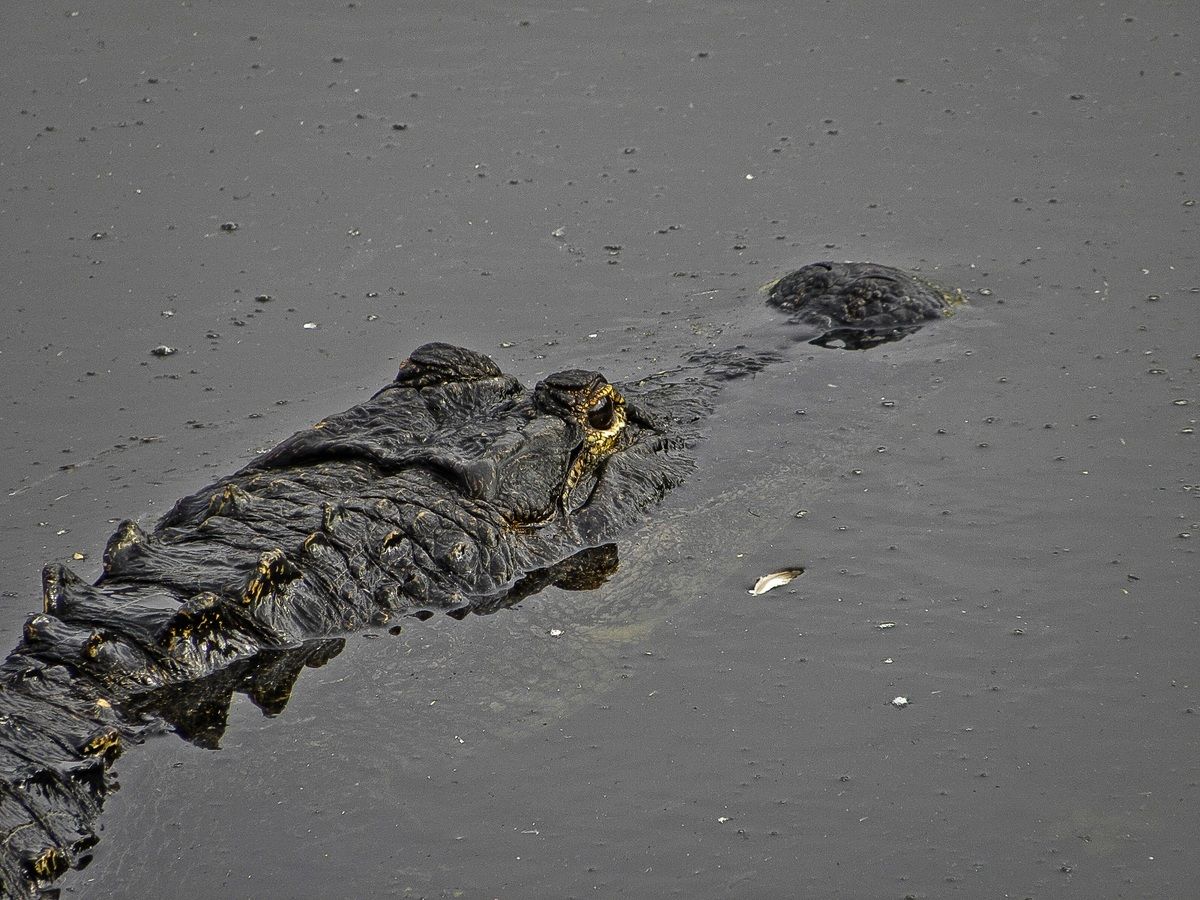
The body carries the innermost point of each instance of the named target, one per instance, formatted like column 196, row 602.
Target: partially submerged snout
column 858, row 305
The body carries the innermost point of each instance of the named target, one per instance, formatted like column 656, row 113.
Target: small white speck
column 749, row 177
column 556, row 632
column 310, row 325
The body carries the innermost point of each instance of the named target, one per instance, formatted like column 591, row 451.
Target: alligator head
column 453, row 472
column 453, row 488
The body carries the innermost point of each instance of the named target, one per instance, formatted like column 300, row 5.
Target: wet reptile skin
column 454, row 489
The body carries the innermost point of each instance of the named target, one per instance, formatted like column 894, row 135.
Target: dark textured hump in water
column 454, row 488
column 859, row 305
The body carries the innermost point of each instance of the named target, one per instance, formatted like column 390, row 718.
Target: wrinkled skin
column 452, row 489
column 858, row 305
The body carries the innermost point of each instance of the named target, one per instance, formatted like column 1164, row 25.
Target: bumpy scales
column 453, row 488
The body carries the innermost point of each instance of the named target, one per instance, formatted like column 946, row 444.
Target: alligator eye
column 600, row 416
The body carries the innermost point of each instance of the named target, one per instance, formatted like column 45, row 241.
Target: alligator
column 453, row 489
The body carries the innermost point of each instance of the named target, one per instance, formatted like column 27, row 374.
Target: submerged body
column 439, row 493
column 454, row 488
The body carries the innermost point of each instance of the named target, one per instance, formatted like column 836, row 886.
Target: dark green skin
column 446, row 491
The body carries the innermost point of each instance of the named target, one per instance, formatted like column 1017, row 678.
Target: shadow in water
column 861, row 338
column 198, row 711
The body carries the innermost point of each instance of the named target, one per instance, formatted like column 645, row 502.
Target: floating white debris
column 883, row 626
column 722, row 819
column 774, row 580
column 310, row 325
column 556, row 632
column 900, row 702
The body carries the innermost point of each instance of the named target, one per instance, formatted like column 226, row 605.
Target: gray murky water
column 1015, row 490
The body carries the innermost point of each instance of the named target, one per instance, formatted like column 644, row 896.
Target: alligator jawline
column 324, row 534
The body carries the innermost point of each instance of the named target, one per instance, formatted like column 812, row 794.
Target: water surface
column 607, row 186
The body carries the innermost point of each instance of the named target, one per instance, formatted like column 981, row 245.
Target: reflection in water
column 96, row 652
column 198, row 711
column 861, row 338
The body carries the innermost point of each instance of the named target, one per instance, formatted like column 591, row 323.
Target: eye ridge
column 600, row 416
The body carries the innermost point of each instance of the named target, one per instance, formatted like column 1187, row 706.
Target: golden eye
column 600, row 416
